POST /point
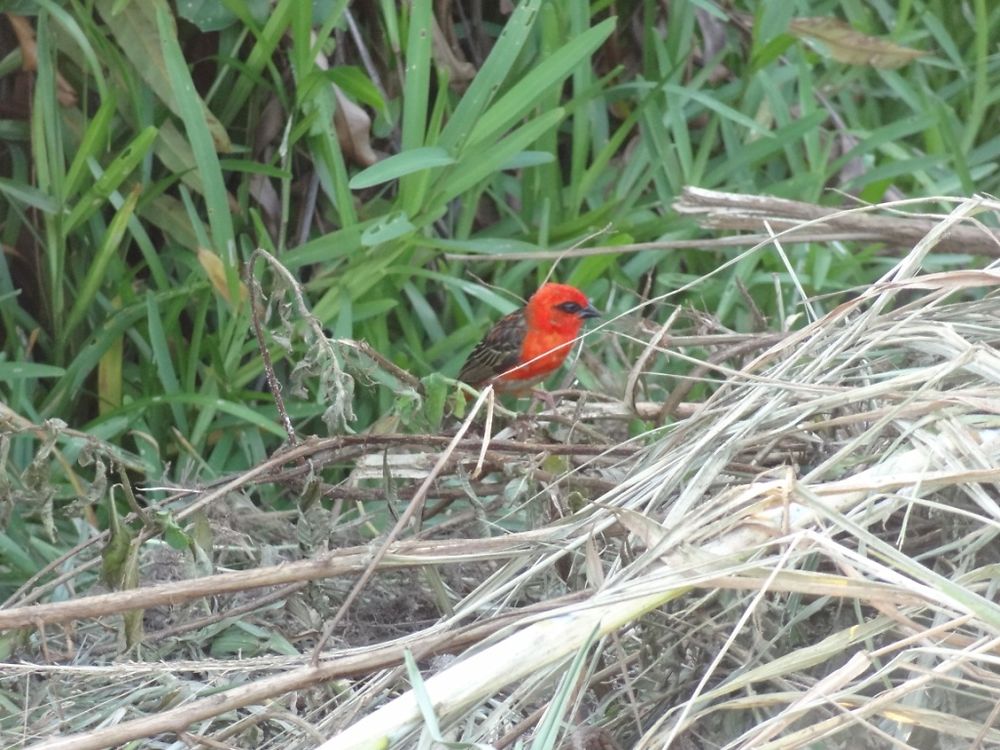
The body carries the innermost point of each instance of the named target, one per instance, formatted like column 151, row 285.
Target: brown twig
column 719, row 210
column 667, row 410
column 256, row 313
column 412, row 512
column 365, row 661
column 737, row 211
column 405, row 554
column 273, row 470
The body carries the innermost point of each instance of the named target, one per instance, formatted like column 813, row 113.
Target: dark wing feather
column 498, row 352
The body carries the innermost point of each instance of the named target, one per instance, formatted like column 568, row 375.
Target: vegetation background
column 413, row 170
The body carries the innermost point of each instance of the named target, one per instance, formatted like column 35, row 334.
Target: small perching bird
column 523, row 348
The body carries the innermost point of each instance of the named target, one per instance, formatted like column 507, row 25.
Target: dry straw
column 912, row 381
column 807, row 556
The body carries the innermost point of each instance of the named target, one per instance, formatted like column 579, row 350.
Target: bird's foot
column 539, row 395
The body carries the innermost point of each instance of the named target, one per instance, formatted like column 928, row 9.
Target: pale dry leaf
column 959, row 279
column 713, row 36
column 460, row 72
column 352, row 123
column 29, row 58
column 353, row 126
column 263, row 191
column 266, row 140
column 847, row 45
column 270, row 126
column 648, row 531
column 593, row 566
column 855, row 167
column 216, row 271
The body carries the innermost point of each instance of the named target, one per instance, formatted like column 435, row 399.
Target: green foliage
column 129, row 214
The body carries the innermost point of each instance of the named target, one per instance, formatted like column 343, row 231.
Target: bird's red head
column 559, row 308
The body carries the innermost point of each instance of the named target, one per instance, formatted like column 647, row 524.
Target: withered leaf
column 216, row 271
column 845, row 44
column 29, row 58
column 353, row 126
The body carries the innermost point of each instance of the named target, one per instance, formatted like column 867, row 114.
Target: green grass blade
column 491, row 75
column 416, row 90
column 120, row 168
column 540, row 80
column 93, row 143
column 95, row 273
column 404, row 163
column 479, row 164
column 192, row 112
column 28, row 196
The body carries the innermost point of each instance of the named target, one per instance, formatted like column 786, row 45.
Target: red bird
column 522, row 348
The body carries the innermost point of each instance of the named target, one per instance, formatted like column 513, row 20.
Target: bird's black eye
column 569, row 307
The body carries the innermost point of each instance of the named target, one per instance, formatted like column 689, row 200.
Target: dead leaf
column 844, row 44
column 29, row 58
column 270, row 126
column 352, row 123
column 590, row 738
column 593, row 566
column 957, row 279
column 353, row 126
column 854, row 167
column 460, row 72
column 135, row 28
column 263, row 191
column 713, row 35
column 265, row 142
column 645, row 529
column 216, row 271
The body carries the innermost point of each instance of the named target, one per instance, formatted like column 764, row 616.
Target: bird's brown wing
column 498, row 352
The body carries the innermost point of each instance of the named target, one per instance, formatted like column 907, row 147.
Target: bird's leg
column 539, row 394
column 524, row 421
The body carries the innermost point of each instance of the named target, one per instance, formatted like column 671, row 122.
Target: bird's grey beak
column 589, row 312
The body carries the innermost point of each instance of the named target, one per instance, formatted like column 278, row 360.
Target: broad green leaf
column 678, row 94
column 259, row 57
column 137, row 31
column 92, row 145
column 389, row 228
column 68, row 21
column 198, row 127
column 549, row 72
column 111, row 178
column 173, row 533
column 358, row 86
column 403, row 163
column 10, row 371
column 416, row 88
column 480, row 163
column 527, row 159
column 29, row 196
column 754, row 153
column 14, row 555
column 95, row 273
column 491, row 75
column 213, row 15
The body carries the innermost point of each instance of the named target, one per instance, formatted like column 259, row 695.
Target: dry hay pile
column 808, row 557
